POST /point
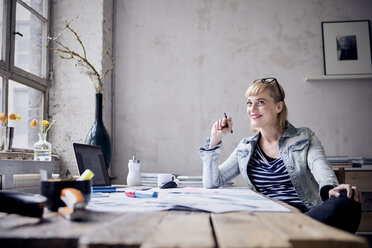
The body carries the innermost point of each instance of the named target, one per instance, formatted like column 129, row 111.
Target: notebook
column 91, row 157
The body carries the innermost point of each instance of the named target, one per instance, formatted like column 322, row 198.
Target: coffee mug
column 164, row 178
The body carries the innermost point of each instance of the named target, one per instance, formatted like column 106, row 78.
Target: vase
column 42, row 149
column 98, row 134
column 7, row 138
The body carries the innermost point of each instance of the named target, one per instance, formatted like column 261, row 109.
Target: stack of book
column 193, row 181
column 190, row 181
column 149, row 179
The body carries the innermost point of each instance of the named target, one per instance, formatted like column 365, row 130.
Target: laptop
column 91, row 157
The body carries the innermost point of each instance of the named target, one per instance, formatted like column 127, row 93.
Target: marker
column 226, row 118
column 75, row 205
column 104, row 189
column 87, row 175
column 141, row 194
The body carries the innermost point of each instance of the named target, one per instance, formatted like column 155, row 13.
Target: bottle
column 134, row 175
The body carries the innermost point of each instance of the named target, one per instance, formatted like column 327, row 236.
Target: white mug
column 164, row 178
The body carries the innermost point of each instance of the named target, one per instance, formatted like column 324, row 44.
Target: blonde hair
column 258, row 87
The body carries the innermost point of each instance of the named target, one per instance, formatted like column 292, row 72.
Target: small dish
column 22, row 203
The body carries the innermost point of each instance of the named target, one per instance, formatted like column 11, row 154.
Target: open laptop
column 91, row 157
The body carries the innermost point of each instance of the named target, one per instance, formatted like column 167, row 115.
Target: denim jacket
column 302, row 154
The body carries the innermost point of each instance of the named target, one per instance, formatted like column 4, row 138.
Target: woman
column 281, row 161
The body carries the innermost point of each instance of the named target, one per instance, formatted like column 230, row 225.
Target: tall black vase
column 98, row 134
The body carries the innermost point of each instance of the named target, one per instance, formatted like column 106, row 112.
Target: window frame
column 7, row 68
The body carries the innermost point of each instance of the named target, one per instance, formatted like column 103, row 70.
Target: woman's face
column 262, row 110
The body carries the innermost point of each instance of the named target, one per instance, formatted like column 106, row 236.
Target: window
column 24, row 64
column 20, row 96
column 1, row 91
column 1, row 28
column 30, row 40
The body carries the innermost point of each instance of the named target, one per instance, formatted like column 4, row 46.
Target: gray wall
column 181, row 64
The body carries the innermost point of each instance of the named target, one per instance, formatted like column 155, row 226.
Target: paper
column 211, row 200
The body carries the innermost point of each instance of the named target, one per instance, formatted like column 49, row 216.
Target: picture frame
column 347, row 47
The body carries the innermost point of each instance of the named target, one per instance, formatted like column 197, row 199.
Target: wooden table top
column 174, row 229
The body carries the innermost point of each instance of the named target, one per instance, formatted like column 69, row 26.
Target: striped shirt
column 271, row 178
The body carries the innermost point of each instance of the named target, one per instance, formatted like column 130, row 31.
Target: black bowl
column 52, row 191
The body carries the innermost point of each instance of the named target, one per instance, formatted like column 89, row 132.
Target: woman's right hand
column 219, row 129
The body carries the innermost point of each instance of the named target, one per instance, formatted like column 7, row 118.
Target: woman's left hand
column 335, row 192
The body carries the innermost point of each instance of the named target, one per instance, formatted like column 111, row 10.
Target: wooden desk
column 174, row 229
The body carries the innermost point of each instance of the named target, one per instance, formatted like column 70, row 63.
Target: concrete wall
column 181, row 64
column 72, row 95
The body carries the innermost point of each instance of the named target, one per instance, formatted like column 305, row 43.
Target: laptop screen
column 91, row 157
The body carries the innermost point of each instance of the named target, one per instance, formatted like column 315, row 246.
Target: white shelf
column 313, row 78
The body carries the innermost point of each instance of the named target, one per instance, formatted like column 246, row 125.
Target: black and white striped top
column 271, row 178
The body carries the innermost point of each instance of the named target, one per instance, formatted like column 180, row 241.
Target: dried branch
column 81, row 59
column 112, row 63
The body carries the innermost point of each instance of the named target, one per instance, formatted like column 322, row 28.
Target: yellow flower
column 45, row 123
column 3, row 117
column 12, row 117
column 33, row 123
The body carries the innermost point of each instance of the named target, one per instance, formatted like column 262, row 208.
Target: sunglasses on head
column 270, row 80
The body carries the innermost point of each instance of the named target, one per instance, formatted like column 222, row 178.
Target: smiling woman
column 275, row 95
column 281, row 161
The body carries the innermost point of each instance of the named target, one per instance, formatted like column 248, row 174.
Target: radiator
column 26, row 181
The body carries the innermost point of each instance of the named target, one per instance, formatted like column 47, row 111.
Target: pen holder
column 52, row 191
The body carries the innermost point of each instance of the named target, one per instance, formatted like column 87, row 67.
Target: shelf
column 313, row 78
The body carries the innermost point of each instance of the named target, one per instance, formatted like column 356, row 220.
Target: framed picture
column 346, row 47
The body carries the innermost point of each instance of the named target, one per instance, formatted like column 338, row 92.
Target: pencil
column 226, row 118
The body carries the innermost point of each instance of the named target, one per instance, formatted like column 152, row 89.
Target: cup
column 51, row 189
column 164, row 178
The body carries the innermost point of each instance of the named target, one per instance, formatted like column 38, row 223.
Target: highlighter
column 87, row 175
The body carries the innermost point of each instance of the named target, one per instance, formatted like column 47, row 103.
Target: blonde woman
column 281, row 161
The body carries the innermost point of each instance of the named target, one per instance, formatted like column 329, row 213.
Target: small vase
column 7, row 138
column 42, row 149
column 98, row 134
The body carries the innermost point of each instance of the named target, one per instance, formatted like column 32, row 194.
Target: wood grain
column 174, row 229
column 182, row 229
column 52, row 231
column 129, row 230
column 302, row 231
column 361, row 179
column 245, row 230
